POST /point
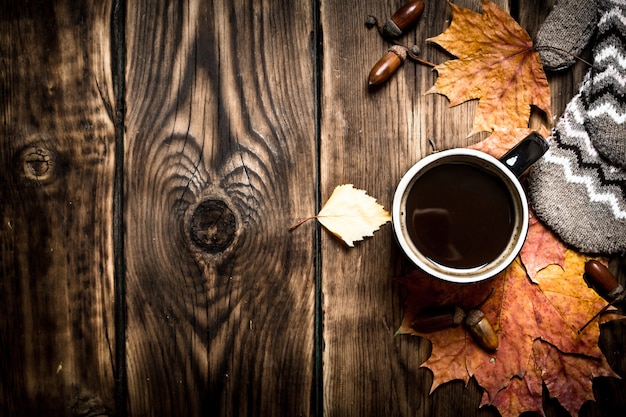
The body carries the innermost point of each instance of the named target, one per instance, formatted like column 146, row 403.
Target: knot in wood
column 212, row 226
column 38, row 164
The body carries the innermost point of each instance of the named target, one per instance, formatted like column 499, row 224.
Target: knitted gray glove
column 579, row 187
column 565, row 32
column 605, row 100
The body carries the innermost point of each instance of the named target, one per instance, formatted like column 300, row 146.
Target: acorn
column 439, row 318
column 387, row 65
column 482, row 330
column 601, row 278
column 602, row 281
column 403, row 19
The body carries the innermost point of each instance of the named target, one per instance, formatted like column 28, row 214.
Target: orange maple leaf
column 541, row 248
column 537, row 330
column 502, row 140
column 496, row 64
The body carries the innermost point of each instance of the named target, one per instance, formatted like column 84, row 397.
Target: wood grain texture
column 56, row 159
column 377, row 134
column 370, row 137
column 220, row 135
column 239, row 116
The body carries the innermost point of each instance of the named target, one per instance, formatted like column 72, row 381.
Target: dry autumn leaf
column 537, row 330
column 503, row 139
column 541, row 248
column 496, row 64
column 537, row 321
column 351, row 214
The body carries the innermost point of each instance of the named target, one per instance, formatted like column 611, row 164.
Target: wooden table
column 153, row 157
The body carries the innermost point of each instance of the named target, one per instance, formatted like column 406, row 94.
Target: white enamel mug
column 507, row 170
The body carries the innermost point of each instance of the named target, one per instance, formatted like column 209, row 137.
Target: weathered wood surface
column 220, row 159
column 57, row 330
column 240, row 117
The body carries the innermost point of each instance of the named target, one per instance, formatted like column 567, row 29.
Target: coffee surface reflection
column 460, row 215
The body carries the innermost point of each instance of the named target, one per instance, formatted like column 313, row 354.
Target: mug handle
column 528, row 151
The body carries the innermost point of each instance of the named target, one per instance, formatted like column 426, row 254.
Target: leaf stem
column 294, row 226
column 602, row 310
column 484, row 300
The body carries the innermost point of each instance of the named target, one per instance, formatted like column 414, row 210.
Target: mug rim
column 450, row 274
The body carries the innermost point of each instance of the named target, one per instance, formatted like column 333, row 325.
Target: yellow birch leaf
column 351, row 214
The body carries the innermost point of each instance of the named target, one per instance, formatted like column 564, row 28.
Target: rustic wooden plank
column 56, row 252
column 370, row 137
column 220, row 162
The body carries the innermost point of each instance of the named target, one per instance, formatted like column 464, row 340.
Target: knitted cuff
column 605, row 100
column 565, row 32
column 577, row 193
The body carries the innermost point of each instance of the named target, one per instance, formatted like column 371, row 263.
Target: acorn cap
column 474, row 317
column 459, row 315
column 391, row 29
column 400, row 51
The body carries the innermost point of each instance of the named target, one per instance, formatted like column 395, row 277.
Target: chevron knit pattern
column 575, row 191
column 605, row 100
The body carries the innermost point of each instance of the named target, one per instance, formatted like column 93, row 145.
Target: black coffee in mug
column 460, row 215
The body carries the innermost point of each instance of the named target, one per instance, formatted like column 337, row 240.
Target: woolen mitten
column 578, row 188
column 563, row 35
column 605, row 100
column 565, row 32
column 576, row 192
